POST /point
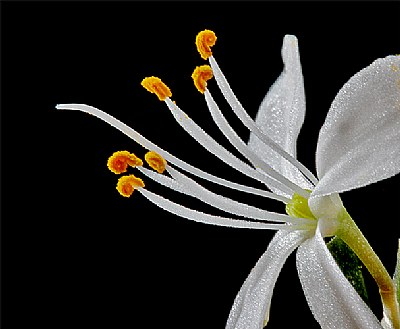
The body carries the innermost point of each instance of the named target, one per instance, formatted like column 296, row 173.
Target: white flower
column 358, row 144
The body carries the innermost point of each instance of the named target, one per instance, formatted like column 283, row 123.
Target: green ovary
column 298, row 208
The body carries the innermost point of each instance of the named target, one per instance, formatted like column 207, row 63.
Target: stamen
column 204, row 41
column 236, row 141
column 141, row 140
column 200, row 76
column 155, row 161
column 251, row 125
column 119, row 161
column 202, row 217
column 191, row 187
column 127, row 184
column 163, row 180
column 215, row 148
column 156, row 86
column 185, row 185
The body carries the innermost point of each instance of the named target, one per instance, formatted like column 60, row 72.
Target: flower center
column 298, row 207
column 327, row 211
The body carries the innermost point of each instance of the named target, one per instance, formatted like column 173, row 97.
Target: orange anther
column 156, row 86
column 204, row 41
column 127, row 184
column 200, row 76
column 155, row 161
column 120, row 160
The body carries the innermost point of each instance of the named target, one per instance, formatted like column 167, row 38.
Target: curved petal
column 281, row 114
column 252, row 303
column 359, row 141
column 333, row 301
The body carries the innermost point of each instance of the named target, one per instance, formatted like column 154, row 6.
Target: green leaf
column 350, row 265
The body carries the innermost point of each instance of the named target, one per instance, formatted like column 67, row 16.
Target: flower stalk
column 353, row 237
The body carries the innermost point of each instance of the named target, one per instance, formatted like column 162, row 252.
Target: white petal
column 333, row 301
column 250, row 124
column 281, row 114
column 359, row 143
column 253, row 301
column 386, row 323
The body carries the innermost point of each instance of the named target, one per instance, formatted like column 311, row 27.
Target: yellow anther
column 120, row 160
column 127, row 184
column 204, row 41
column 155, row 161
column 200, row 76
column 156, row 86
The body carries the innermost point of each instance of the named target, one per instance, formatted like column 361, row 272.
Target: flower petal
column 359, row 143
column 252, row 304
column 332, row 299
column 281, row 114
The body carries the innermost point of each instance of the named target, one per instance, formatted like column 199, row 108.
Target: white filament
column 226, row 204
column 205, row 218
column 244, row 149
column 134, row 135
column 249, row 122
column 183, row 184
column 215, row 148
column 163, row 180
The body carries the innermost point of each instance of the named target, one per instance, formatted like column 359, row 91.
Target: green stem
column 352, row 236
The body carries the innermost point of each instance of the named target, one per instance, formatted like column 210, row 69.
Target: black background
column 75, row 254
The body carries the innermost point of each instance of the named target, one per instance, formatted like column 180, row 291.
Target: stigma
column 127, row 184
column 156, row 86
column 204, row 41
column 200, row 76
